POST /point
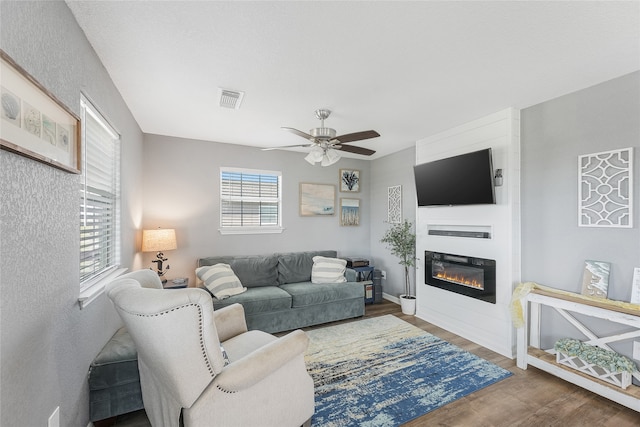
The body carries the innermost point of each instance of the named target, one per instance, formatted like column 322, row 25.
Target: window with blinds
column 99, row 196
column 250, row 201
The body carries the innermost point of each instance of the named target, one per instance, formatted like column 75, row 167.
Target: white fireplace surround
column 483, row 231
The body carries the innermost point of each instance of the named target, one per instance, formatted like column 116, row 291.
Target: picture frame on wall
column 317, row 199
column 349, row 212
column 35, row 124
column 394, row 204
column 349, row 180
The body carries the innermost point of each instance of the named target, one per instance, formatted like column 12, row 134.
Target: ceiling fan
column 324, row 142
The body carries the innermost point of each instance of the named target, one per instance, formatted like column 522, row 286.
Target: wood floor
column 528, row 398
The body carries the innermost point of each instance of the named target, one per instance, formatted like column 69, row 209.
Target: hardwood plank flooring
column 528, row 398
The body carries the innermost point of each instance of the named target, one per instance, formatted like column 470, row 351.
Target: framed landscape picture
column 317, row 199
column 349, row 212
column 595, row 279
column 349, row 180
column 34, row 123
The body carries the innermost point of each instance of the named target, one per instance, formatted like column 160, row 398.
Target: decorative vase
column 408, row 304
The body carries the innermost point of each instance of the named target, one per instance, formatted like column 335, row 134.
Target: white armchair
column 182, row 368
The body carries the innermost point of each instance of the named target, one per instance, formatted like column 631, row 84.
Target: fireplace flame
column 459, row 279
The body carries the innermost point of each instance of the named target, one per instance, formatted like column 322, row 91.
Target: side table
column 178, row 284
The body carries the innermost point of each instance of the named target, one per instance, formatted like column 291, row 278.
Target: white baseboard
column 391, row 298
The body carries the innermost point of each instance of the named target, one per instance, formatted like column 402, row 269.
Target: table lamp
column 158, row 240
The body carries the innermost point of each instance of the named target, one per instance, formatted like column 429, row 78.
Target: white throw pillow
column 220, row 280
column 328, row 270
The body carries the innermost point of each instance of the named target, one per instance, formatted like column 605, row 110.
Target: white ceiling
column 405, row 69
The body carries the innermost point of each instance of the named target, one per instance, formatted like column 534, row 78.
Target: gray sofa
column 280, row 295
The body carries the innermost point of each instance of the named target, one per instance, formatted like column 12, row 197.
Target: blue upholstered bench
column 114, row 380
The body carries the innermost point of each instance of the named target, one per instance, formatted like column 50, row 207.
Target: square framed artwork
column 349, row 212
column 317, row 199
column 35, row 123
column 349, row 180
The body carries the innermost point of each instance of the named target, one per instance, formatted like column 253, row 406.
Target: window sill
column 95, row 289
column 247, row 230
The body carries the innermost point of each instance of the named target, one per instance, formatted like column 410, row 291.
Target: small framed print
column 349, row 180
column 349, row 212
column 595, row 279
column 34, row 123
column 635, row 287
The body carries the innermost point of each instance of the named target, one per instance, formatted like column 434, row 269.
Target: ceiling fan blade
column 357, row 136
column 299, row 133
column 287, row 146
column 353, row 149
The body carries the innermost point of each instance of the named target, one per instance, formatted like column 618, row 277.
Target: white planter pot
column 408, row 304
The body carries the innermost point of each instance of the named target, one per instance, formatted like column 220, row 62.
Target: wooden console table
column 530, row 353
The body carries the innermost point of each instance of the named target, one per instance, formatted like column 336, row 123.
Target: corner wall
column 484, row 323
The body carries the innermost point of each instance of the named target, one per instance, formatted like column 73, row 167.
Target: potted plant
column 401, row 240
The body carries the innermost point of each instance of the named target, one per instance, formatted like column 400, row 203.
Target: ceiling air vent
column 230, row 98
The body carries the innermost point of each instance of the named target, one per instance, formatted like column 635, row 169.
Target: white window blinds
column 249, row 199
column 99, row 196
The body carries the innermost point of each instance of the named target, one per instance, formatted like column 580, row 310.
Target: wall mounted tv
column 466, row 179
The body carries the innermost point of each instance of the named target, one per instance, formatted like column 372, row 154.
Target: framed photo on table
column 35, row 123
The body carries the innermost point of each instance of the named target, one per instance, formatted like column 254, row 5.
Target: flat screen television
column 466, row 179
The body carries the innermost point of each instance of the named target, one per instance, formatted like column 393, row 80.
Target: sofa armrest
column 350, row 274
column 256, row 366
column 230, row 321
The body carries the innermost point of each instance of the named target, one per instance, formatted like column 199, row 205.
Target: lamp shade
column 160, row 239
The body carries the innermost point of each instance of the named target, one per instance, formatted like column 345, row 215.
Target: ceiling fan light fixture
column 315, row 155
column 330, row 157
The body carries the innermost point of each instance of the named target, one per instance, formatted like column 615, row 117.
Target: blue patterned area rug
column 383, row 371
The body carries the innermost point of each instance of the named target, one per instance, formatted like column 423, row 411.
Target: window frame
column 92, row 285
column 267, row 229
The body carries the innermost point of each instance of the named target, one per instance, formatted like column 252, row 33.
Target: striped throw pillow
column 220, row 280
column 328, row 270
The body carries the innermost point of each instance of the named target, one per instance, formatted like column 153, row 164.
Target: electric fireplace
column 473, row 277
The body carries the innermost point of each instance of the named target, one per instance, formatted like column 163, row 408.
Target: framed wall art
column 35, row 123
column 394, row 204
column 349, row 211
column 317, row 199
column 349, row 180
column 605, row 189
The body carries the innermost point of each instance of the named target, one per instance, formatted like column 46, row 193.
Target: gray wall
column 388, row 171
column 46, row 341
column 181, row 183
column 600, row 118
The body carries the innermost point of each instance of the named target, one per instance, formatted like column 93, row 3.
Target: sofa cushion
column 220, row 280
column 261, row 299
column 306, row 294
column 116, row 364
column 328, row 270
column 256, row 270
column 294, row 267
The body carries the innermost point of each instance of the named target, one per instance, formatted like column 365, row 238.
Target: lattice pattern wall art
column 605, row 182
column 394, row 204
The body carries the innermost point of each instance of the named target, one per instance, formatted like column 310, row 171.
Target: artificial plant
column 401, row 241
